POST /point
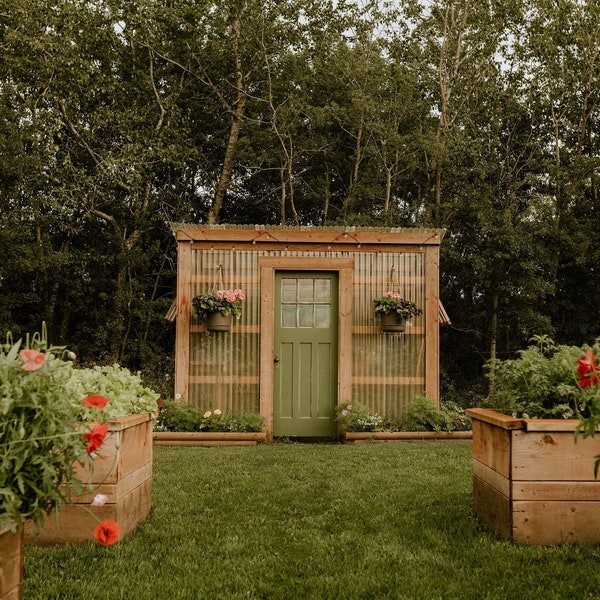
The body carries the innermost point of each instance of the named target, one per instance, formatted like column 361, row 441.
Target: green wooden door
column 306, row 317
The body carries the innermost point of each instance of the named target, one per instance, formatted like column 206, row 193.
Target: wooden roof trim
column 443, row 315
column 350, row 236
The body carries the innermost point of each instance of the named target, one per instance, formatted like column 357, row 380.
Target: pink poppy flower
column 33, row 359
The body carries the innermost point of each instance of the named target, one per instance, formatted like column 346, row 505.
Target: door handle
column 276, row 361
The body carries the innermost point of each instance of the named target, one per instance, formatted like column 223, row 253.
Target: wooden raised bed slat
column 491, row 446
column 552, row 455
column 567, row 491
column 550, row 523
column 492, row 478
column 492, row 507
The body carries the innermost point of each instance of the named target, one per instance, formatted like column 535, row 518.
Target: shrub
column 423, row 414
column 540, row 383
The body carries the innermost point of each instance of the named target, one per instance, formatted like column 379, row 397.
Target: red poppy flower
column 33, row 359
column 95, row 401
column 107, row 532
column 588, row 370
column 95, row 437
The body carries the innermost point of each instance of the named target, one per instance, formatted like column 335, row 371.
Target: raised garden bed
column 11, row 565
column 532, row 482
column 355, row 437
column 123, row 472
column 199, row 438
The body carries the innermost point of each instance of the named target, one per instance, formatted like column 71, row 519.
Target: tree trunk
column 236, row 111
column 493, row 342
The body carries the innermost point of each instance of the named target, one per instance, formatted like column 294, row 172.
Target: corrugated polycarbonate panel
column 388, row 369
column 224, row 367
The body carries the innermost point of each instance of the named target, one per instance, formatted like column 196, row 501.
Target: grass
column 294, row 521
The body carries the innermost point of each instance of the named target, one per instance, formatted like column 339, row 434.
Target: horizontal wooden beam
column 348, row 237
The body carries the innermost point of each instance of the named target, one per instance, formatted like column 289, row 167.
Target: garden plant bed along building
column 533, row 482
column 212, row 438
column 365, row 437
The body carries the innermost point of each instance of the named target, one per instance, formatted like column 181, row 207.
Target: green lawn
column 294, row 521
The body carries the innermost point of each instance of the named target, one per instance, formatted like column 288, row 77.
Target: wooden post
column 266, row 346
column 184, row 301
column 432, row 323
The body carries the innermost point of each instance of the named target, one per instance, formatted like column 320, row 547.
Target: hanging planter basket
column 391, row 324
column 218, row 322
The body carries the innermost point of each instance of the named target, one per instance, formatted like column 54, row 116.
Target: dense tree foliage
column 120, row 117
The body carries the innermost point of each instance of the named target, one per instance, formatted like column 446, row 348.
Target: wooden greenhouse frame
column 236, row 371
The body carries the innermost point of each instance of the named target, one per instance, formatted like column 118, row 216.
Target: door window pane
column 288, row 315
column 288, row 290
column 322, row 318
column 305, row 314
column 305, row 290
column 322, row 290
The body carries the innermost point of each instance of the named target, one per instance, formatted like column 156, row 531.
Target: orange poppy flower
column 96, row 436
column 95, row 401
column 588, row 370
column 107, row 532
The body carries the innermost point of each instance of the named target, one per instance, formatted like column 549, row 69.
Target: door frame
column 267, row 266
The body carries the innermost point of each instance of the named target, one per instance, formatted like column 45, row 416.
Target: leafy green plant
column 180, row 416
column 392, row 302
column 540, row 383
column 354, row 416
column 125, row 391
column 226, row 302
column 40, row 442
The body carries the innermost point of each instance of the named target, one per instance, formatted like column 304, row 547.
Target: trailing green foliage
column 392, row 302
column 540, row 383
column 179, row 416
